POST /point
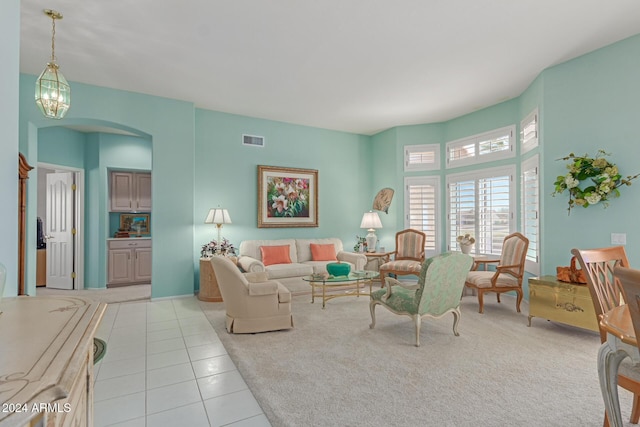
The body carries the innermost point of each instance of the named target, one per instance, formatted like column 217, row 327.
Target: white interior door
column 59, row 230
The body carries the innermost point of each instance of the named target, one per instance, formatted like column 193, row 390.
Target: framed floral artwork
column 287, row 197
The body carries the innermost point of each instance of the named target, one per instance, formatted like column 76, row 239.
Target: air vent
column 253, row 140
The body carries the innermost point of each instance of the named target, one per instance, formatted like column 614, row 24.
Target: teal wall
column 385, row 160
column 96, row 154
column 169, row 124
column 591, row 103
column 9, row 117
column 61, row 146
column 226, row 175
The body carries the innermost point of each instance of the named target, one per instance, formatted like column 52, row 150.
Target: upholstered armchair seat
column 252, row 303
column 482, row 279
column 438, row 291
column 400, row 300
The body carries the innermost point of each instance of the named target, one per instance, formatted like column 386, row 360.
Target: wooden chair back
column 514, row 254
column 629, row 279
column 410, row 245
column 598, row 266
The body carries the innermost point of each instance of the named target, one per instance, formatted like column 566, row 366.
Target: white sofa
column 302, row 264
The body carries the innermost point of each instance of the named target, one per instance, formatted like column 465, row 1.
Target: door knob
column 48, row 236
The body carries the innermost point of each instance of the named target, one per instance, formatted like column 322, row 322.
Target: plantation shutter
column 480, row 148
column 421, row 212
column 530, row 208
column 462, row 212
column 481, row 204
column 422, row 157
column 493, row 213
column 529, row 131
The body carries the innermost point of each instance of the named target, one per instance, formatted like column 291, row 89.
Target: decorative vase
column 338, row 268
column 466, row 249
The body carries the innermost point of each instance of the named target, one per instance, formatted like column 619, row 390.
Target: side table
column 209, row 290
column 375, row 260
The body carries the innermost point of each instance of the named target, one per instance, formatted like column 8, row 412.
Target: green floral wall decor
column 591, row 180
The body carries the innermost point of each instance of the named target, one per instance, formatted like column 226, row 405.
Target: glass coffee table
column 321, row 283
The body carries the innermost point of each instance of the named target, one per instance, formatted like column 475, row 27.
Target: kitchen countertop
column 128, row 238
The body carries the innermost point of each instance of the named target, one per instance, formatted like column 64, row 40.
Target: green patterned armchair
column 437, row 293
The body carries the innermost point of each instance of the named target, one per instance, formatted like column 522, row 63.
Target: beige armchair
column 252, row 306
column 508, row 275
column 408, row 256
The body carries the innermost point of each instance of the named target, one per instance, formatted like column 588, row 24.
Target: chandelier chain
column 53, row 39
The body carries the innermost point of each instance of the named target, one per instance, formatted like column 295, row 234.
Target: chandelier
column 53, row 94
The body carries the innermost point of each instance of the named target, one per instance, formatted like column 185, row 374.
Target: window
column 422, row 207
column 424, row 157
column 530, row 208
column 484, row 147
column 481, row 203
column 529, row 131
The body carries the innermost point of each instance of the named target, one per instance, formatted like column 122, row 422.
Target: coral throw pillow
column 323, row 252
column 275, row 255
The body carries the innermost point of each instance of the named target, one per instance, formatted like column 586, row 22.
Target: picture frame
column 129, row 222
column 287, row 197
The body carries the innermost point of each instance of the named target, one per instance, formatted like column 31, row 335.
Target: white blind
column 481, row 204
column 493, row 213
column 422, row 157
column 462, row 211
column 529, row 131
column 480, row 148
column 421, row 211
column 530, row 209
column 462, row 151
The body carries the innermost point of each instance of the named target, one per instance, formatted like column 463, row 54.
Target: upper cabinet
column 130, row 192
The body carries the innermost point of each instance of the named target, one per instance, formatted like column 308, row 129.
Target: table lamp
column 371, row 220
column 218, row 217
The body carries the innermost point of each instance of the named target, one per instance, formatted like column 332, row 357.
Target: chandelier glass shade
column 53, row 93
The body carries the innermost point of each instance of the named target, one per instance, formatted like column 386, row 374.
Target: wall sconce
column 53, row 94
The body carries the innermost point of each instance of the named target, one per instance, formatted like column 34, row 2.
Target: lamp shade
column 218, row 216
column 371, row 220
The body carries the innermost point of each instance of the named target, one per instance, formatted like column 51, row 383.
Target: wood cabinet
column 129, row 261
column 568, row 303
column 46, row 365
column 130, row 191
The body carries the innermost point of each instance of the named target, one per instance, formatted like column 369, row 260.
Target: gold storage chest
column 568, row 303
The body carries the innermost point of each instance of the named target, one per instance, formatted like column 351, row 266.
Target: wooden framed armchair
column 408, row 255
column 509, row 271
column 606, row 292
column 258, row 306
column 437, row 293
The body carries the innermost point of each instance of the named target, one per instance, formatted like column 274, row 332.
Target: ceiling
column 353, row 65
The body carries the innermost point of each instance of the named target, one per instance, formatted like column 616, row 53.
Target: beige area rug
column 109, row 295
column 333, row 370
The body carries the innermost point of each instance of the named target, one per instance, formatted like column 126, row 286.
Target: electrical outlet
column 618, row 238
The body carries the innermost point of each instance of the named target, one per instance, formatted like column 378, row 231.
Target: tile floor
column 165, row 366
